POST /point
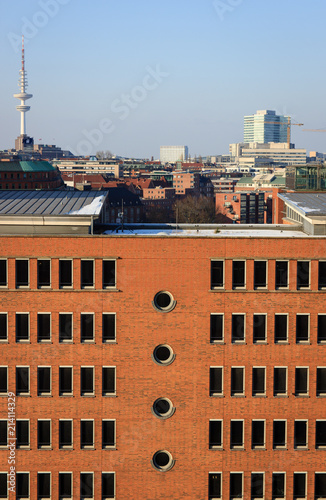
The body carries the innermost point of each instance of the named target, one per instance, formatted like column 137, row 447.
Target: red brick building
column 29, row 175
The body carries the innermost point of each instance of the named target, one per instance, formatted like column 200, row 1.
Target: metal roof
column 26, row 166
column 308, row 204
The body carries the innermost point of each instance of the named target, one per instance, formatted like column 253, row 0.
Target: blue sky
column 130, row 76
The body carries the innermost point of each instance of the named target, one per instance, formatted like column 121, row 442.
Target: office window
column 216, row 381
column 238, row 274
column 301, row 381
column 236, row 485
column 22, row 327
column 217, row 274
column 108, row 486
column 321, row 332
column 43, row 380
column 108, row 271
column 108, row 327
column 65, row 273
column 238, row 328
column 87, row 327
column 257, row 485
column 22, row 380
column 43, row 273
column 3, row 273
column 22, row 485
column 281, row 274
column 108, row 380
column 3, row 380
column 65, row 433
column 65, row 327
column 43, row 485
column 303, row 274
column 22, row 434
column 22, row 273
column 299, row 485
column 215, row 434
column 281, row 328
column 3, row 434
column 258, row 434
column 322, row 274
column 108, row 434
column 260, row 268
column 278, row 485
column 320, row 485
column 87, row 381
column 217, row 327
column 302, row 328
column 258, row 381
column 3, row 327
column 86, row 485
column 321, row 381
column 279, row 434
column 65, row 485
column 280, row 381
column 215, row 485
column 237, row 381
column 320, row 434
column 86, row 273
column 65, row 381
column 43, row 327
column 259, row 328
column 236, row 434
column 300, row 434
column 44, row 434
column 3, row 485
column 87, row 434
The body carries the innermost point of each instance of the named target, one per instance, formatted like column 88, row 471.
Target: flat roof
column 308, row 204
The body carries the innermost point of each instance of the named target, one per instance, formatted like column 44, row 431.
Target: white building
column 87, row 166
column 266, row 126
column 276, row 153
column 172, row 154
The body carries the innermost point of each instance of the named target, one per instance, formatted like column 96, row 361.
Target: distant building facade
column 172, row 154
column 29, row 175
column 265, row 126
column 268, row 153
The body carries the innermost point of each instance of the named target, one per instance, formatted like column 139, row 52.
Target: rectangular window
column 258, row 381
column 320, row 485
column 86, row 485
column 43, row 273
column 260, row 272
column 238, row 328
column 257, row 485
column 3, row 327
column 22, row 327
column 278, row 486
column 322, row 274
column 236, row 434
column 217, row 274
column 87, row 434
column 280, row 381
column 3, row 485
column 43, row 485
column 108, row 272
column 3, row 274
column 108, row 327
column 320, row 434
column 216, row 381
column 215, row 434
column 236, row 485
column 259, row 328
column 43, row 380
column 217, row 327
column 87, row 327
column 258, row 434
column 3, row 433
column 108, row 380
column 281, row 328
column 321, row 381
column 321, row 332
column 299, row 485
column 65, row 273
column 302, row 328
column 22, row 380
column 22, row 479
column 3, row 380
column 65, row 485
column 237, row 381
column 86, row 273
column 65, row 327
column 303, row 274
column 215, row 485
column 301, row 381
column 22, row 273
column 43, row 327
column 44, row 434
column 108, row 434
column 300, row 434
column 108, row 485
column 65, row 381
column 65, row 434
column 87, row 381
column 279, row 434
column 281, row 274
column 238, row 274
column 22, row 434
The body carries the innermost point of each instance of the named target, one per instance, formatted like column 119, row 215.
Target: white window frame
column 87, row 447
column 66, row 447
column 67, row 287
column 243, row 393
column 72, row 381
column 6, row 340
column 262, row 395
column 223, row 328
column 27, row 447
column 5, row 394
column 221, row 446
column 115, row 434
column 109, row 341
column 70, row 341
column 83, row 393
column 287, row 328
column 257, row 447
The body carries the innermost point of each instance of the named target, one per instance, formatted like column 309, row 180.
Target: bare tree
column 104, row 155
column 193, row 210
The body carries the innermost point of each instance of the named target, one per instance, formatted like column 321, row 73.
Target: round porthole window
column 164, row 302
column 162, row 460
column 163, row 354
column 163, row 408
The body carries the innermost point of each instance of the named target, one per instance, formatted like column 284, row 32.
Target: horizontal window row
column 64, row 429
column 260, row 274
column 66, row 482
column 276, row 481
column 258, row 333
column 258, row 376
column 65, row 378
column 234, row 436
column 65, row 327
column 66, row 273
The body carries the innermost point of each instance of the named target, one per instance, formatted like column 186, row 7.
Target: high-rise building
column 266, row 126
column 172, row 154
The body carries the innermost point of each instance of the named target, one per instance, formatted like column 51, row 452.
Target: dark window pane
column 3, row 272
column 321, row 327
column 301, row 381
column 3, row 432
column 65, row 327
column 43, row 327
column 3, row 379
column 302, row 328
column 43, row 433
column 300, row 434
column 217, row 273
column 65, row 273
column 86, row 484
column 44, row 485
column 259, row 274
column 258, row 381
column 278, row 483
column 320, row 485
column 87, row 327
column 279, row 381
column 214, row 485
column 22, row 327
column 86, row 433
column 43, row 273
column 21, row 273
column 109, row 273
column 108, row 433
column 216, row 327
column 281, row 328
column 299, row 485
column 237, row 385
column 108, row 380
column 108, row 327
column 215, row 433
column 238, row 274
column 235, row 485
column 65, row 490
column 281, row 278
column 108, row 485
column 87, row 273
column 259, row 328
column 258, row 434
column 22, row 484
column 3, row 485
column 43, row 380
column 257, row 485
column 321, row 381
column 65, row 433
column 236, row 433
column 87, row 381
column 238, row 327
column 22, row 433
column 303, row 280
column 216, row 381
column 3, row 326
column 279, row 430
column 22, row 380
column 320, row 433
column 65, row 380
column 322, row 274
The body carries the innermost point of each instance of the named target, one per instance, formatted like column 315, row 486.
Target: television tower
column 23, row 141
